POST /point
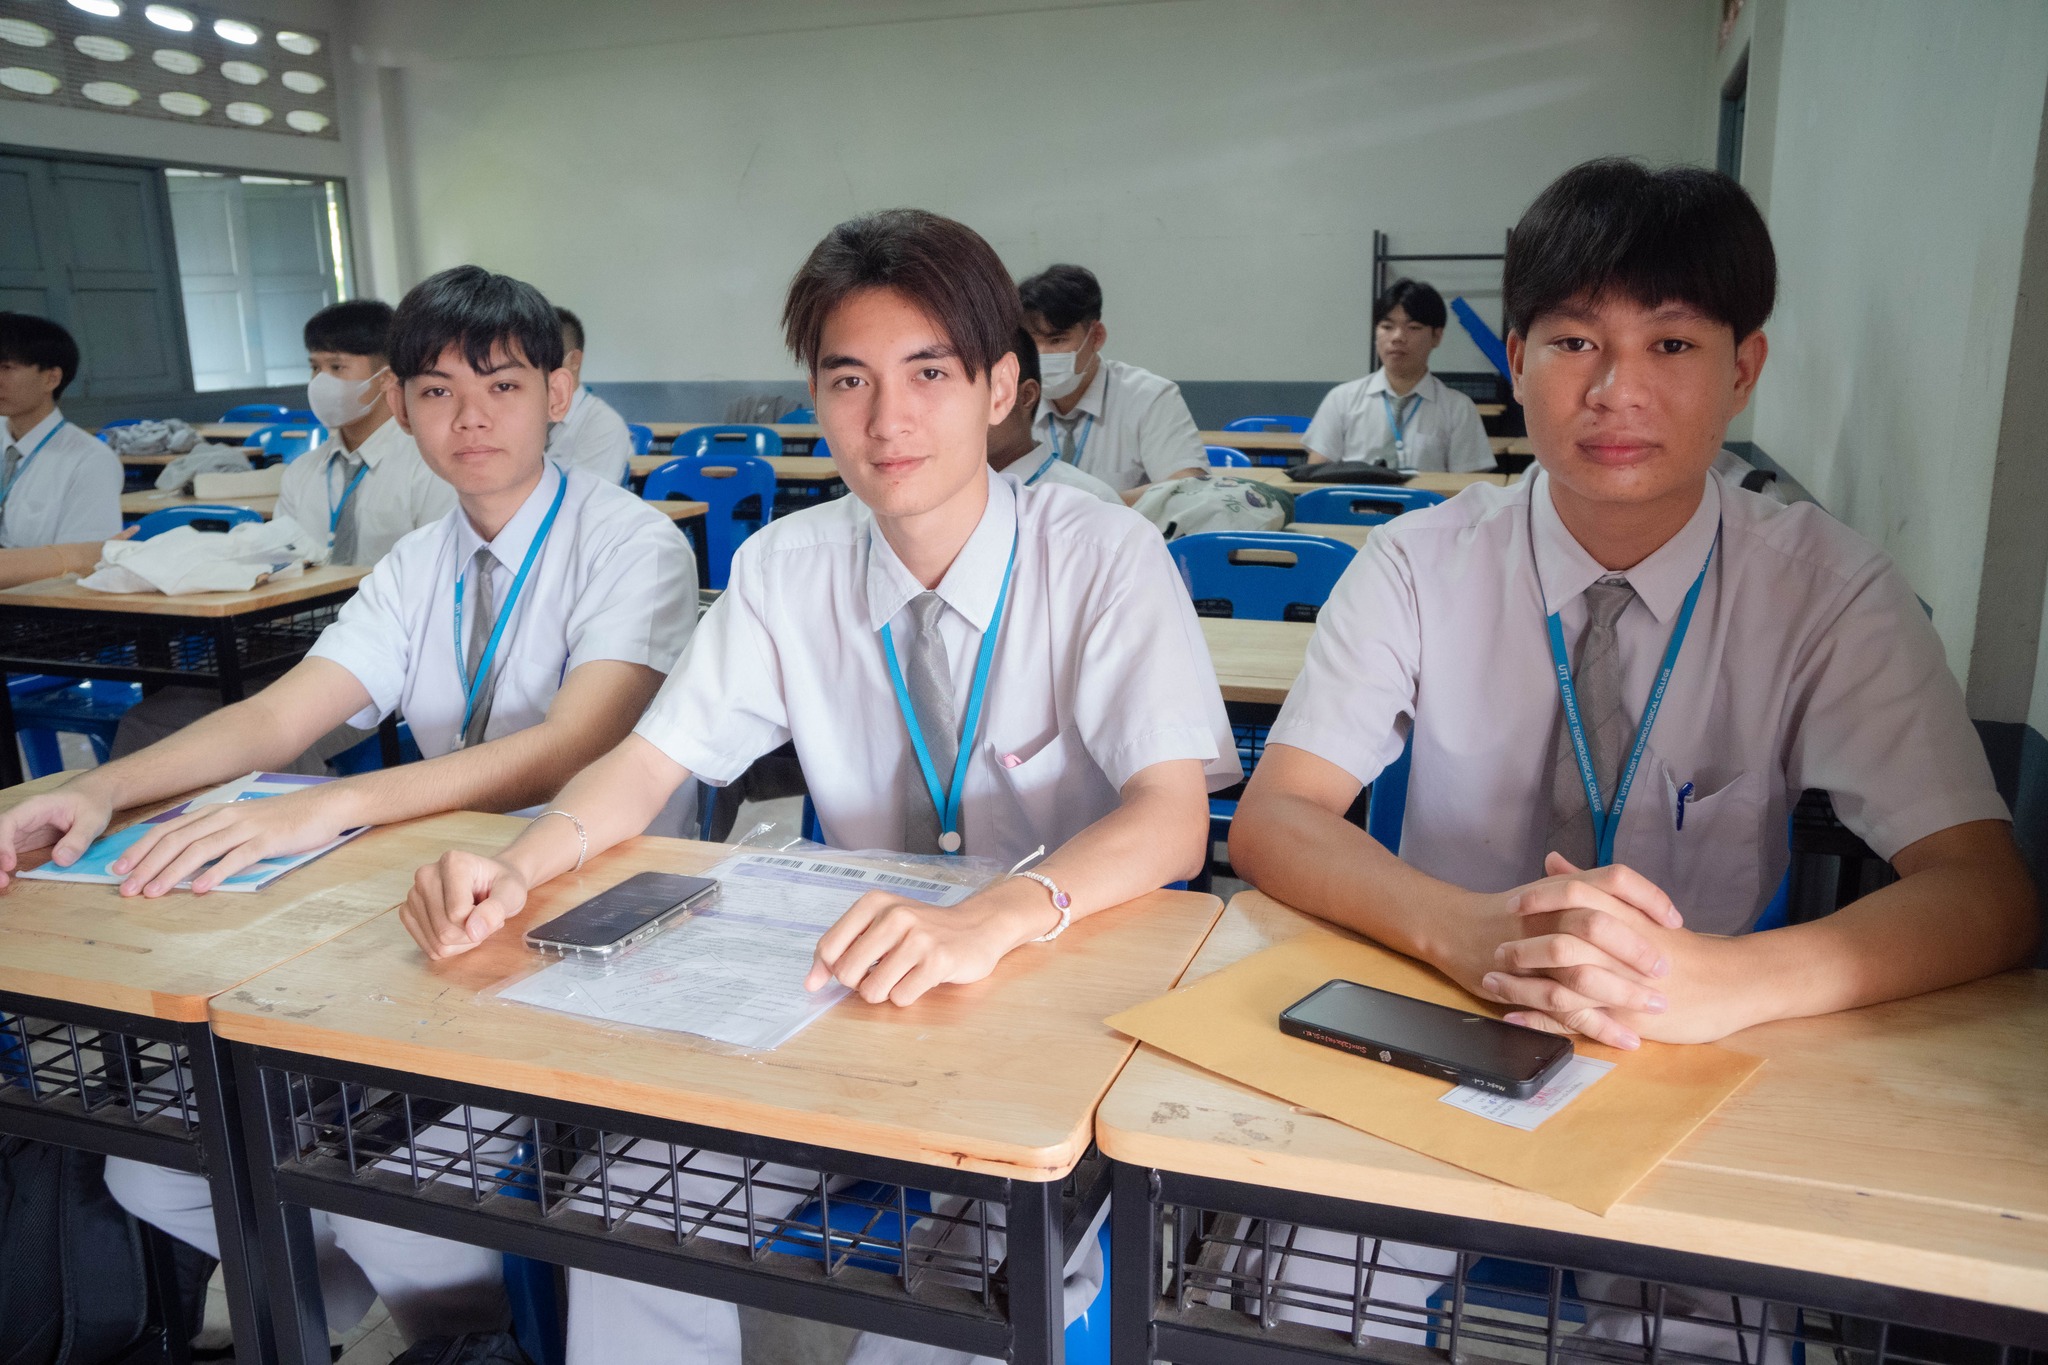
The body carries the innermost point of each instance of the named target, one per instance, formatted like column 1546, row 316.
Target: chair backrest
column 201, row 516
column 1360, row 505
column 1259, row 575
column 727, row 442
column 724, row 484
column 800, row 417
column 643, row 437
column 1273, row 421
column 1224, row 457
column 256, row 412
column 282, row 441
column 819, row 450
column 297, row 415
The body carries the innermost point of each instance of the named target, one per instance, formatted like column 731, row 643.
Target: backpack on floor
column 72, row 1288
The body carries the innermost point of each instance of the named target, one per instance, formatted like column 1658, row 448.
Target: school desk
column 1447, row 484
column 135, row 506
column 1887, row 1171
column 224, row 640
column 103, row 1038
column 797, row 437
column 236, row 432
column 1351, row 535
column 1256, row 661
column 985, row 1092
column 1280, row 448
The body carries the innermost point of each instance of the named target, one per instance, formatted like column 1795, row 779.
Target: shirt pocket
column 1712, row 866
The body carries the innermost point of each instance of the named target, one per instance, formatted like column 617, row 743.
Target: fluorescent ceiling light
column 235, row 31
column 105, row 9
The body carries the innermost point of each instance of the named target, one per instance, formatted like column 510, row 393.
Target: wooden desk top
column 1292, row 441
column 229, row 431
column 165, row 958
column 151, row 500
column 961, row 1079
column 319, row 581
column 788, row 468
column 676, row 509
column 1901, row 1144
column 1350, row 535
column 1447, row 484
column 1256, row 661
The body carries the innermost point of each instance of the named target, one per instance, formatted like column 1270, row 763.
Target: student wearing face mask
column 367, row 486
column 1012, row 446
column 593, row 436
column 1126, row 426
column 1401, row 415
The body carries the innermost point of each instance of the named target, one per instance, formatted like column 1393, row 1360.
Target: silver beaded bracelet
column 582, row 839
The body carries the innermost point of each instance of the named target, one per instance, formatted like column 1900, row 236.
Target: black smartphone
column 1451, row 1045
column 614, row 920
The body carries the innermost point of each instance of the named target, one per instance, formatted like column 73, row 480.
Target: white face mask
column 337, row 401
column 1057, row 377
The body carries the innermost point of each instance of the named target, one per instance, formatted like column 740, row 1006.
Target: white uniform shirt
column 399, row 493
column 1809, row 664
column 1130, row 427
column 615, row 580
column 1043, row 466
column 594, row 437
column 1099, row 671
column 1440, row 429
column 69, row 492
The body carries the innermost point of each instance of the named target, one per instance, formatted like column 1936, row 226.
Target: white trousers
column 624, row 1322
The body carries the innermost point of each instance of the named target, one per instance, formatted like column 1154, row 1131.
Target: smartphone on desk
column 612, row 921
column 1436, row 1040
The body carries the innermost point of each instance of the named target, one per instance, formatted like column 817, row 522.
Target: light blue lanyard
column 947, row 801
column 473, row 687
column 334, row 509
column 1394, row 411
column 23, row 469
column 1080, row 446
column 1606, row 823
column 1039, row 472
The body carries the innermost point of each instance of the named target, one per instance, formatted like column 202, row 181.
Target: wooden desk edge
column 314, row 582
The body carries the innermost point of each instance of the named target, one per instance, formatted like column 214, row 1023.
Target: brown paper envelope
column 1590, row 1153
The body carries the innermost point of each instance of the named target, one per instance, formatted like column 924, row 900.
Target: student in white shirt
column 556, row 675
column 1012, row 447
column 1126, row 426
column 59, row 484
column 1635, row 302
column 367, row 485
column 593, row 436
column 1401, row 415
column 1101, row 729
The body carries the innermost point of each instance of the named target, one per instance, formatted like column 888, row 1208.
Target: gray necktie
column 1596, row 677
column 484, row 602
column 345, row 546
column 10, row 462
column 930, row 680
column 1063, row 436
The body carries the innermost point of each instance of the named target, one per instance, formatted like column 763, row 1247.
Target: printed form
column 732, row 971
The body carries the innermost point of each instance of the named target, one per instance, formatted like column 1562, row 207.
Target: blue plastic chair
column 819, row 450
column 724, row 483
column 537, row 1322
column 727, row 442
column 296, row 415
column 256, row 412
column 1361, row 505
column 204, row 516
column 46, row 706
column 1259, row 575
column 799, row 417
column 643, row 437
column 367, row 754
column 1225, row 457
column 1268, row 422
column 287, row 441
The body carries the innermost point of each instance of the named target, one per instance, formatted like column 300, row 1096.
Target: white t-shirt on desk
column 615, row 580
column 594, row 437
column 398, row 495
column 67, row 486
column 1099, row 671
column 1043, row 466
column 1130, row 427
column 1440, row 427
column 1808, row 664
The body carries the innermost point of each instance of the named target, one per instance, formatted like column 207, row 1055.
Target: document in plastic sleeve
column 1528, row 1115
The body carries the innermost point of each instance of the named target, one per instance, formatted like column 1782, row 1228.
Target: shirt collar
column 372, row 451
column 577, row 404
column 1090, row 401
column 1565, row 570
column 1425, row 389
column 510, row 547
column 34, row 435
column 975, row 579
column 1032, row 461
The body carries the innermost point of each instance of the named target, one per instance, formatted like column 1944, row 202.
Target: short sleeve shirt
column 398, row 495
column 1439, row 427
column 594, row 437
column 66, row 489
column 1129, row 427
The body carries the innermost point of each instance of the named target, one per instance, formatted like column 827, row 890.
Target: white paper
column 732, row 971
column 1528, row 1115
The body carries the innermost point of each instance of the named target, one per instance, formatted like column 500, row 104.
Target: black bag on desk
column 72, row 1288
column 1355, row 472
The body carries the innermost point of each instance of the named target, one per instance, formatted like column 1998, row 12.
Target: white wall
column 1900, row 175
column 1220, row 163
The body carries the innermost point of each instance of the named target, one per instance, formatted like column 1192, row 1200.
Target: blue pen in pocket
column 1678, row 819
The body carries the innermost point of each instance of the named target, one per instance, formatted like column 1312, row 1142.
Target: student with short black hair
column 1011, row 445
column 593, row 436
column 1664, row 662
column 59, row 484
column 1126, row 426
column 1401, row 415
column 940, row 592
column 520, row 636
